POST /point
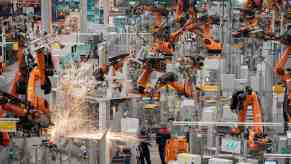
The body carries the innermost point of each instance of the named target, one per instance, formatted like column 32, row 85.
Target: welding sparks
column 91, row 136
column 122, row 137
column 71, row 119
column 111, row 136
column 71, row 116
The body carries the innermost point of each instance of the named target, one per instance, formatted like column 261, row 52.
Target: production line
column 145, row 82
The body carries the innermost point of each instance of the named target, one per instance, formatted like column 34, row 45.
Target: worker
column 162, row 136
column 143, row 148
column 28, row 116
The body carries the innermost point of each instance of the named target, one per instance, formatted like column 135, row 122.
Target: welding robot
column 159, row 13
column 166, row 45
column 161, row 31
column 25, row 64
column 199, row 25
column 255, row 23
column 285, row 75
column 157, row 62
column 186, row 16
column 116, row 63
column 241, row 100
column 29, row 71
column 29, row 116
column 164, row 39
column 22, row 100
column 170, row 78
column 253, row 4
column 185, row 10
column 41, row 73
column 212, row 45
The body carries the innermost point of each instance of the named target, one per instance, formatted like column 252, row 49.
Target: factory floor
column 5, row 81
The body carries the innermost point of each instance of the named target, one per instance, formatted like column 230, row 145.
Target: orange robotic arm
column 192, row 11
column 174, row 36
column 12, row 108
column 101, row 71
column 158, row 21
column 116, row 63
column 183, row 88
column 241, row 100
column 20, row 56
column 185, row 7
column 253, row 100
column 104, row 69
column 20, row 61
column 151, row 63
column 251, row 4
column 144, row 78
column 158, row 13
column 179, row 10
column 191, row 26
column 163, row 47
column 170, row 79
column 257, row 130
column 12, row 104
column 167, row 47
column 40, row 60
column 20, row 75
column 209, row 42
column 257, row 115
column 13, row 87
column 248, row 4
column 279, row 68
column 36, row 101
column 249, row 25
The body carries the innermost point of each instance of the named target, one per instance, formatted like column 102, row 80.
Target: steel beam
column 84, row 20
column 46, row 15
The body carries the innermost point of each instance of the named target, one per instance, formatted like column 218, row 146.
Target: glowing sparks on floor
column 112, row 136
column 72, row 119
column 71, row 116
